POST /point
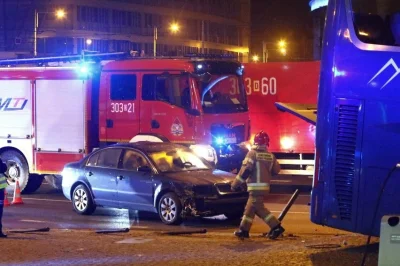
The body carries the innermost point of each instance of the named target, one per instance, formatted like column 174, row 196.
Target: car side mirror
column 193, row 112
column 144, row 169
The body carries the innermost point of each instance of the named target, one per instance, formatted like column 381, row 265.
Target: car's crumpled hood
column 208, row 177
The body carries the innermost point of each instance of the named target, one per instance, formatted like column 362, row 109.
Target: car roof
column 147, row 146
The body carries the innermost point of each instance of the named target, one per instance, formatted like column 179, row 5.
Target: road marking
column 55, row 200
column 33, row 221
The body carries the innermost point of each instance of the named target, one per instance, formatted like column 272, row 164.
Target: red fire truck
column 52, row 115
column 292, row 140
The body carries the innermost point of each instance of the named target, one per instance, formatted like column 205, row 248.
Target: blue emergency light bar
column 68, row 58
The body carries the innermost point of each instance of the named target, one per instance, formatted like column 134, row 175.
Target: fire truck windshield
column 222, row 94
column 377, row 21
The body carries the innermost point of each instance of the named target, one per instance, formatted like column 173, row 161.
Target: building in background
column 318, row 10
column 218, row 26
column 275, row 22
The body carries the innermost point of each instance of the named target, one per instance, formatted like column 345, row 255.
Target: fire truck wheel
column 82, row 200
column 34, row 183
column 17, row 169
column 170, row 209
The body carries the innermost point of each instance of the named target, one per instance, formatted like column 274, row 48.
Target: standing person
column 257, row 169
column 3, row 186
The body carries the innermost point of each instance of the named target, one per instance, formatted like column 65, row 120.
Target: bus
column 357, row 117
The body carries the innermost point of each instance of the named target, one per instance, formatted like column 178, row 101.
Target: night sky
column 286, row 19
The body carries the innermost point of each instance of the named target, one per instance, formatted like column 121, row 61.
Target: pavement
column 72, row 239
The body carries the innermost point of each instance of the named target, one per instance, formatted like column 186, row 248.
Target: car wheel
column 170, row 209
column 82, row 200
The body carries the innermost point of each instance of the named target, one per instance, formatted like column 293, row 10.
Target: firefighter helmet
column 261, row 138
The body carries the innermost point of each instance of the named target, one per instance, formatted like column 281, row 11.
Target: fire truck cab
column 67, row 111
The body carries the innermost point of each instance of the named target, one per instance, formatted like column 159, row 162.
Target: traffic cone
column 6, row 202
column 17, row 194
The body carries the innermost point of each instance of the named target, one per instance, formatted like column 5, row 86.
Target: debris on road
column 324, row 246
column 187, row 232
column 45, row 229
column 111, row 231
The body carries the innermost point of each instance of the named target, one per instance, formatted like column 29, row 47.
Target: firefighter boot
column 276, row 232
column 241, row 234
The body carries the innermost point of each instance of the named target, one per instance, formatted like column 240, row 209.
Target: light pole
column 281, row 47
column 59, row 14
column 174, row 28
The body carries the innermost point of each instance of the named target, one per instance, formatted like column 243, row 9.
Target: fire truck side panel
column 15, row 109
column 16, row 128
column 60, row 115
column 292, row 140
column 53, row 163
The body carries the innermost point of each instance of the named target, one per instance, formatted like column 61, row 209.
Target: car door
column 165, row 106
column 135, row 188
column 102, row 172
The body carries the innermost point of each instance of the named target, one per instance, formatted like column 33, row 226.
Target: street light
column 282, row 44
column 174, row 28
column 60, row 14
column 281, row 48
column 255, row 58
column 89, row 41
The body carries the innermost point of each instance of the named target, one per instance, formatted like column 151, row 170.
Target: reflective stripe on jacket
column 3, row 182
column 260, row 165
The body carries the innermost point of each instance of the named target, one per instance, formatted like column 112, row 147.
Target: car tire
column 170, row 209
column 82, row 200
column 34, row 183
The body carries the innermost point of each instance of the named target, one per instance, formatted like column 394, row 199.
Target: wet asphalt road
column 48, row 208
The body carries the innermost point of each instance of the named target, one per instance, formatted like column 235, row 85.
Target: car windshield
column 177, row 160
column 222, row 94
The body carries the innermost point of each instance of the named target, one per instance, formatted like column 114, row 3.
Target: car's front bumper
column 208, row 206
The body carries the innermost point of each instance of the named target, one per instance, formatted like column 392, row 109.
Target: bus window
column 377, row 21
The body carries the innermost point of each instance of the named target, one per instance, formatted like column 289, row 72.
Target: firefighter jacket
column 3, row 179
column 257, row 169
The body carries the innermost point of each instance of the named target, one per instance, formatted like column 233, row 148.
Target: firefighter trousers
column 255, row 206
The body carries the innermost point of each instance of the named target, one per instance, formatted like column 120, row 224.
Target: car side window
column 109, row 158
column 133, row 160
column 93, row 160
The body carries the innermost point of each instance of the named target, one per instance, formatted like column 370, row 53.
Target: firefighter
column 3, row 186
column 257, row 169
